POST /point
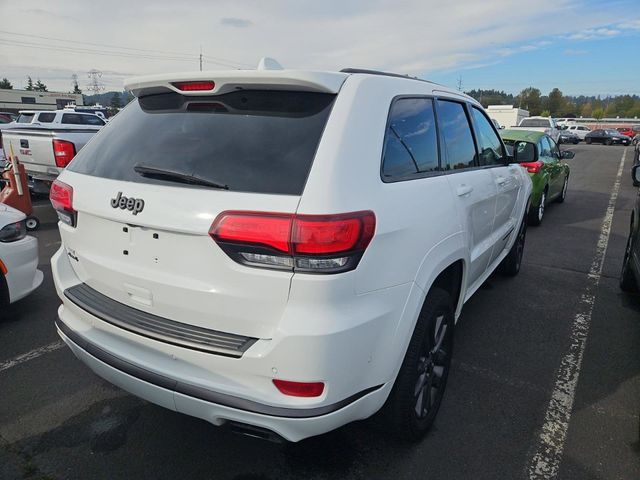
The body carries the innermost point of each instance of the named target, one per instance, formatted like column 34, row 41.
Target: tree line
column 38, row 86
column 558, row 105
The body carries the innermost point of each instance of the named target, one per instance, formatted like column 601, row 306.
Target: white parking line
column 25, row 357
column 545, row 463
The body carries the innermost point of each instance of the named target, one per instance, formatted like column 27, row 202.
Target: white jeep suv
column 284, row 251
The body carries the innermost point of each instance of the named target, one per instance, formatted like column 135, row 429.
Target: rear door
column 143, row 239
column 493, row 157
column 474, row 188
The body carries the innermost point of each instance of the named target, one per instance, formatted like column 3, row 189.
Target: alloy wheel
column 543, row 199
column 432, row 369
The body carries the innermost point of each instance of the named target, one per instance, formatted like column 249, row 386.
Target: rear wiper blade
column 150, row 171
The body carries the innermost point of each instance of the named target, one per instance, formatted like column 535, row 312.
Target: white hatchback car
column 284, row 251
column 19, row 274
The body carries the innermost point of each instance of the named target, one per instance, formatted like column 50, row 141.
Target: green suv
column 540, row 155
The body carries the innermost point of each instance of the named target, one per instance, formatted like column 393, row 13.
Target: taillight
column 194, row 86
column 301, row 243
column 63, row 152
column 299, row 389
column 61, row 196
column 532, row 167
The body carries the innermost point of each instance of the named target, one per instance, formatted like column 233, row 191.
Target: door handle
column 463, row 190
column 501, row 180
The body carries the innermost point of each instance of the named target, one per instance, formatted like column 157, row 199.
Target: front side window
column 411, row 143
column 72, row 119
column 491, row 151
column 457, row 140
column 91, row 120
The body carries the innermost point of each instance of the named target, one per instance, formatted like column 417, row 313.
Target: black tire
column 627, row 278
column 563, row 194
column 608, row 141
column 588, row 140
column 511, row 264
column 536, row 214
column 576, row 141
column 427, row 363
column 4, row 296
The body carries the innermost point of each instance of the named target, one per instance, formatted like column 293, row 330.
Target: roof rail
column 386, row 74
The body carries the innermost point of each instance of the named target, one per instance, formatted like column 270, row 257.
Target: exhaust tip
column 254, row 431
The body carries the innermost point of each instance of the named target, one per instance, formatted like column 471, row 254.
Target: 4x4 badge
column 133, row 204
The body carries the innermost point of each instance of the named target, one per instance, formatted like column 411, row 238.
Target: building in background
column 14, row 100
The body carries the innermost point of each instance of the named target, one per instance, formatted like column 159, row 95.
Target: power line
column 219, row 60
column 91, row 51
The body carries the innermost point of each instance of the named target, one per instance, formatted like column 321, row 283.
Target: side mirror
column 567, row 154
column 635, row 173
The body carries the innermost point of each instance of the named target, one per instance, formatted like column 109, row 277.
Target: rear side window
column 411, row 142
column 491, row 152
column 457, row 139
column 251, row 140
column 46, row 117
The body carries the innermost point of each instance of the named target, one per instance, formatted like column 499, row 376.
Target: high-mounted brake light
column 532, row 167
column 299, row 389
column 63, row 152
column 61, row 196
column 196, row 86
column 304, row 243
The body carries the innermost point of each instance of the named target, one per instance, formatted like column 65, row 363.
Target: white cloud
column 407, row 36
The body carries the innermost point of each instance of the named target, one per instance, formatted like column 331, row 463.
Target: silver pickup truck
column 46, row 151
column 541, row 124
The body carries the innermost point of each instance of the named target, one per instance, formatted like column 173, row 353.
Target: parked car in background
column 630, row 273
column 539, row 154
column 19, row 274
column 45, row 148
column 7, row 117
column 607, row 136
column 580, row 130
column 628, row 131
column 58, row 117
column 540, row 124
column 567, row 136
column 188, row 260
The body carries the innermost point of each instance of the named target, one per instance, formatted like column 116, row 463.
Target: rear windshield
column 534, row 122
column 251, row 140
column 25, row 118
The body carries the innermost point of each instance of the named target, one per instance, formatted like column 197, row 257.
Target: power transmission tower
column 95, row 84
column 200, row 57
column 460, row 83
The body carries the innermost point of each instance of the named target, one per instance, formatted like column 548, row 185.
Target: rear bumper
column 349, row 346
column 293, row 424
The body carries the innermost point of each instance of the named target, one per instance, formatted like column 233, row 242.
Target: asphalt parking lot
column 59, row 421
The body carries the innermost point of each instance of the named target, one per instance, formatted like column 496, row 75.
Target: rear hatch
column 148, row 187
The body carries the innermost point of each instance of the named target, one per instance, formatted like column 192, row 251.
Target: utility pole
column 200, row 57
column 95, row 84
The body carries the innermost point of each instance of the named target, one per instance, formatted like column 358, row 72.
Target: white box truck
column 507, row 115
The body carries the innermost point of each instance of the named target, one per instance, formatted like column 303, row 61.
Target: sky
column 582, row 47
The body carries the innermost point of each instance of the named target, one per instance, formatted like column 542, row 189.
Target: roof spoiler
column 270, row 76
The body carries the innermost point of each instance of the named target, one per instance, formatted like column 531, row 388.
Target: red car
column 628, row 131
